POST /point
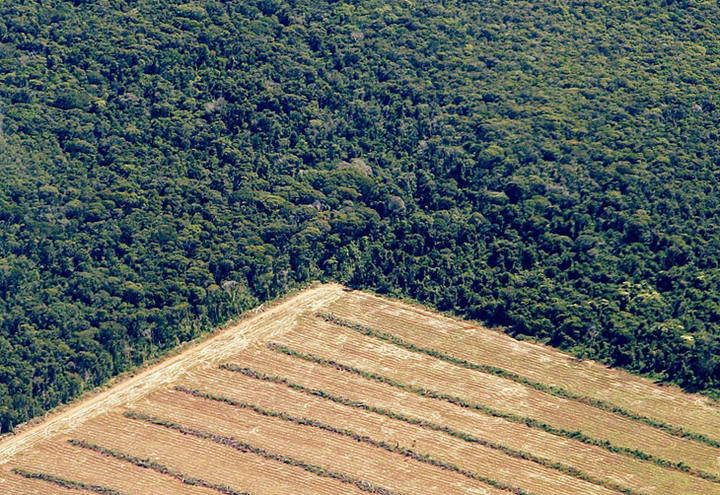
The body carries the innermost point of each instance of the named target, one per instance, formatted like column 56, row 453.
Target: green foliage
column 166, row 166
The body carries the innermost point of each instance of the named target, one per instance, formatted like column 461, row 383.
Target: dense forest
column 547, row 166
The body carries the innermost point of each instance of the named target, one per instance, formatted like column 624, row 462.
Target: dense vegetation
column 547, row 166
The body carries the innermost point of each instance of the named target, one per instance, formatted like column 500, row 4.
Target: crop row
column 425, row 458
column 247, row 448
column 75, row 485
column 467, row 437
column 531, row 422
column 503, row 373
column 155, row 466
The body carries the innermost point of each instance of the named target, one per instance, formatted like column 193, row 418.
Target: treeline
column 549, row 167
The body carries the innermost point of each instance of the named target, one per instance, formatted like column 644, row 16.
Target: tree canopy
column 549, row 167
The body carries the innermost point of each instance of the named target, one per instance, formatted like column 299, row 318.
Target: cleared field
column 467, row 340
column 201, row 458
column 14, row 483
column 337, row 392
column 332, row 342
column 63, row 460
column 595, row 461
column 317, row 447
column 470, row 457
column 256, row 328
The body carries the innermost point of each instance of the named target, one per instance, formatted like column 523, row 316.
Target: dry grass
column 316, row 447
column 63, row 460
column 484, row 461
column 202, row 459
column 15, row 483
column 595, row 461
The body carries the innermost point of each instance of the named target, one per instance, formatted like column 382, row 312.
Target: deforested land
column 341, row 391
